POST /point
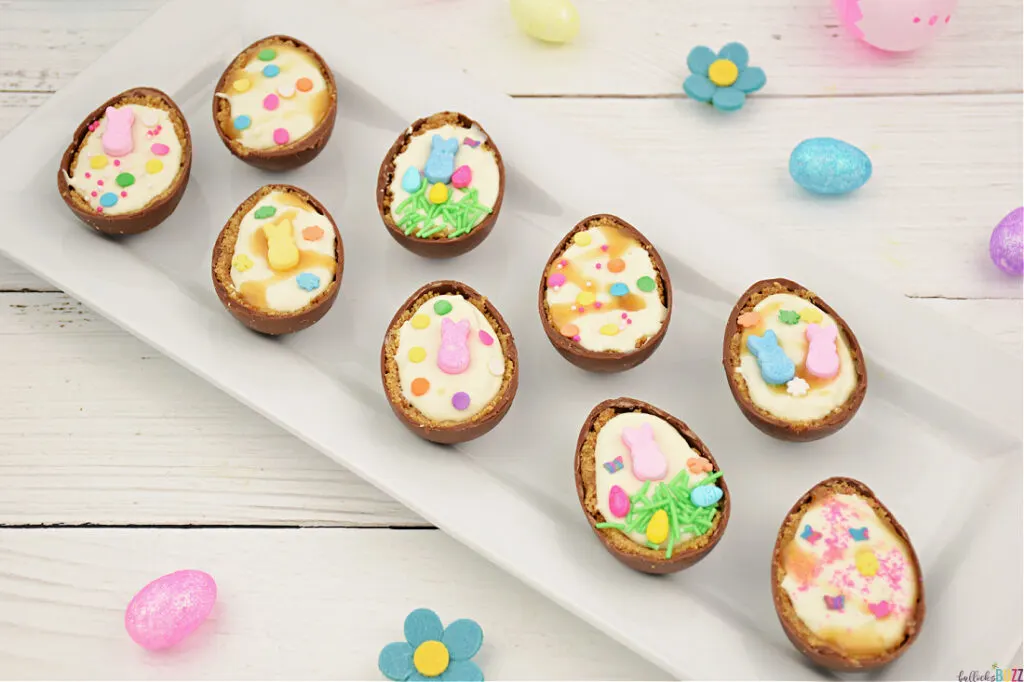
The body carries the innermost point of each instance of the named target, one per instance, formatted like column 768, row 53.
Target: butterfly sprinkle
column 810, row 535
column 859, row 534
column 834, row 603
column 614, row 465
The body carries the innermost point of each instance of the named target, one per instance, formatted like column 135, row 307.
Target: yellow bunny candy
column 282, row 254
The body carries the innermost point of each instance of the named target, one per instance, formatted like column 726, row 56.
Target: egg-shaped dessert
column 846, row 581
column 650, row 488
column 605, row 296
column 277, row 263
column 128, row 163
column 275, row 104
column 794, row 366
column 440, row 186
column 449, row 363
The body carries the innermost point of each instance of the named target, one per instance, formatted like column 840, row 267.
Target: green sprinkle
column 442, row 307
column 616, row 526
column 788, row 317
column 645, row 283
column 266, row 54
column 125, row 180
column 265, row 212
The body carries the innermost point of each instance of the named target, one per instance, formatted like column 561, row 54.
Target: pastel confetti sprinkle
column 265, row 212
column 581, row 239
column 99, row 182
column 242, row 122
column 859, row 534
column 698, row 465
column 834, row 603
column 866, row 562
column 307, row 281
column 417, row 354
column 556, row 280
column 124, row 194
column 242, row 84
column 645, row 284
column 108, row 199
column 470, row 142
column 609, row 329
column 788, row 317
column 154, row 166
column 125, row 180
column 88, row 175
column 812, row 315
column 281, row 136
column 442, row 307
column 117, row 162
column 585, row 298
column 496, row 367
column 619, row 289
column 95, row 193
column 604, row 247
column 420, row 321
column 285, row 90
column 420, row 386
column 266, row 54
column 271, row 102
column 159, row 148
column 616, row 265
column 486, row 338
column 810, row 535
column 460, row 401
column 303, row 85
column 751, row 318
column 312, row 233
column 271, row 70
column 614, row 465
column 150, row 119
column 880, row 610
column 570, row 330
column 99, row 161
column 241, row 262
column 797, row 387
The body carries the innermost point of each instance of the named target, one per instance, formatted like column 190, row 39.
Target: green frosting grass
column 417, row 214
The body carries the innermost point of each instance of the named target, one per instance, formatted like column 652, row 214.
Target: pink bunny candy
column 453, row 355
column 822, row 356
column 117, row 138
column 649, row 464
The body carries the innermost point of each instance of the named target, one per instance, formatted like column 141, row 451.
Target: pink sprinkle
column 576, row 338
column 562, row 263
column 948, row 17
column 94, row 125
column 486, row 338
column 604, row 247
column 160, row 149
column 94, row 193
column 117, row 162
column 99, row 209
column 99, row 182
column 917, row 20
column 88, row 175
column 629, row 321
column 281, row 136
column 557, row 279
column 881, row 609
column 124, row 194
column 597, row 304
column 624, row 315
column 931, row 22
column 597, row 265
column 270, row 102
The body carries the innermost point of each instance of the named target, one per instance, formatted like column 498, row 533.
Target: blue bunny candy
column 776, row 367
column 441, row 163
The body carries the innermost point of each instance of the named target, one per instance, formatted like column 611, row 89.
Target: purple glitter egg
column 168, row 609
column 1006, row 247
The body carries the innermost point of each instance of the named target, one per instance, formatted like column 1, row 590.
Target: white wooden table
column 117, row 466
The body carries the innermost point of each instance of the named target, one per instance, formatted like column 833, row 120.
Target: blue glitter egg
column 825, row 165
column 705, row 495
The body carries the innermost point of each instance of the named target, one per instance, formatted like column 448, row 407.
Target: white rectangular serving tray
column 938, row 437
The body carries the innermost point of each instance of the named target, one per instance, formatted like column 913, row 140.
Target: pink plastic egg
column 167, row 610
column 896, row 25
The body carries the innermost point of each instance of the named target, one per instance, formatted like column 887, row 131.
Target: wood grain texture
column 63, row 594
column 624, row 48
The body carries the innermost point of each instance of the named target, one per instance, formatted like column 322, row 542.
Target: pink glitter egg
column 168, row 609
column 896, row 25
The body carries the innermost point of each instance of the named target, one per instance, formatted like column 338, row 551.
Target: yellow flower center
column 430, row 658
column 723, row 73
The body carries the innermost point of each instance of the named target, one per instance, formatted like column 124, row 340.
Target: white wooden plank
column 292, row 604
column 97, row 428
column 635, row 48
column 946, row 171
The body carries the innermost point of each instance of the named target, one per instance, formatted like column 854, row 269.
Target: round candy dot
column 604, row 247
column 99, row 182
column 645, row 283
column 307, row 281
column 241, row 262
column 125, row 179
column 270, row 102
column 460, row 400
column 586, row 298
column 420, row 321
column 281, row 136
column 303, row 85
column 581, row 239
column 117, row 162
column 496, row 367
column 616, row 265
column 266, row 54
column 597, row 266
column 88, row 175
column 420, row 386
column 271, row 70
column 242, row 122
column 285, row 90
column 95, row 193
column 242, row 84
column 619, row 289
column 442, row 307
column 159, row 148
column 486, row 338
column 124, row 194
column 556, row 280
column 150, row 119
column 417, row 354
column 569, row 330
column 610, row 329
column 312, row 233
column 154, row 166
column 99, row 161
column 99, row 209
column 108, row 199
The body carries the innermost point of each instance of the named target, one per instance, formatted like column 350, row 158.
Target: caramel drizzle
column 801, row 371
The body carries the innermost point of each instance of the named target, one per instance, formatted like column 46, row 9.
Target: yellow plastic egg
column 553, row 21
column 657, row 527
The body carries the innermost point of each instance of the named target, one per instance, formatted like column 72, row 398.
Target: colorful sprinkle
column 154, row 166
column 265, row 212
column 266, row 54
column 97, row 162
column 810, row 535
column 751, row 318
column 160, row 149
column 485, row 338
column 616, row 265
column 442, row 307
column 788, row 317
column 420, row 321
column 438, row 193
column 99, row 182
column 88, row 175
column 581, row 239
column 470, row 142
column 597, row 266
column 117, row 162
column 569, row 330
column 496, row 367
column 241, row 262
column 618, row 501
column 657, row 527
column 604, row 247
column 242, row 122
column 417, row 354
column 242, row 84
column 834, row 603
column 281, row 136
column 124, row 194
column 859, row 534
column 460, row 401
column 271, row 102
column 149, row 118
column 307, row 281
column 271, row 70
column 585, row 298
column 312, row 233
column 619, row 289
column 797, row 386
column 609, row 329
column 303, row 85
column 108, row 200
column 811, row 315
column 614, row 465
column 285, row 90
column 867, row 562
column 598, row 304
column 698, row 465
column 125, row 180
column 645, row 284
column 880, row 610
column 420, row 386
column 556, row 280
column 95, row 193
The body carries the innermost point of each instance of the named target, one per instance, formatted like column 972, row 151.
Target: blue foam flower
column 723, row 79
column 433, row 652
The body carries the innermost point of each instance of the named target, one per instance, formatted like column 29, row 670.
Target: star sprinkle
column 859, row 534
column 810, row 535
column 834, row 603
column 797, row 387
column 614, row 465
